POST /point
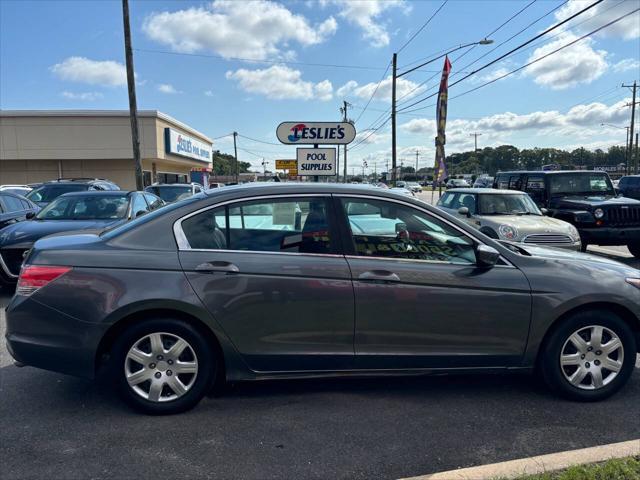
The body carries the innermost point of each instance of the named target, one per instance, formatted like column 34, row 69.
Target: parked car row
column 281, row 280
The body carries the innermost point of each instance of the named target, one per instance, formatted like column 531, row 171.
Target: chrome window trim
column 183, row 243
column 424, row 210
column 6, row 269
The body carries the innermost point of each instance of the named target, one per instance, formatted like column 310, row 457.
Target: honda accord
column 311, row 280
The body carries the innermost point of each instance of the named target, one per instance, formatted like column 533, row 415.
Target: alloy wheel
column 592, row 357
column 161, row 367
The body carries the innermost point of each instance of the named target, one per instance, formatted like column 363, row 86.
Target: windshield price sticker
column 316, row 161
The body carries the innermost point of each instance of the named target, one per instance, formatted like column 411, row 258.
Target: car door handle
column 217, row 266
column 379, row 276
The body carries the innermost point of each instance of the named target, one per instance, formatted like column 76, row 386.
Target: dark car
column 14, row 208
column 173, row 192
column 308, row 280
column 584, row 198
column 87, row 210
column 49, row 191
column 629, row 186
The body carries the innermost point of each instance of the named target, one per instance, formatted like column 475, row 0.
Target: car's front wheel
column 634, row 249
column 589, row 356
column 162, row 366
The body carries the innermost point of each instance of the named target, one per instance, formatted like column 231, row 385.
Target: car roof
column 489, row 191
column 548, row 172
column 173, row 185
column 98, row 193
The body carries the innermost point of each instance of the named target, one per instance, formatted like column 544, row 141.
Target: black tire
column 549, row 359
column 634, row 249
column 200, row 348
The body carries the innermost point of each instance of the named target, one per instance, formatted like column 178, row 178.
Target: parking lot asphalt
column 55, row 426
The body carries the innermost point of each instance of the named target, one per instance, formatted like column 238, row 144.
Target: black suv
column 629, row 186
column 49, row 191
column 585, row 199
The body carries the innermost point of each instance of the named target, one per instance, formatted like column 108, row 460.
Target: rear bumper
column 42, row 337
column 610, row 236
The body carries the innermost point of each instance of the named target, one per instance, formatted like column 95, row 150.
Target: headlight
column 598, row 213
column 508, row 232
column 573, row 233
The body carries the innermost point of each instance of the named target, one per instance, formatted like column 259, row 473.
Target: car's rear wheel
column 589, row 356
column 163, row 366
column 634, row 248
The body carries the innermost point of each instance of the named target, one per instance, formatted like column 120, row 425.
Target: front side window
column 391, row 230
column 278, row 225
column 139, row 205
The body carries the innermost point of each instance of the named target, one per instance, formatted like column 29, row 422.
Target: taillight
column 34, row 277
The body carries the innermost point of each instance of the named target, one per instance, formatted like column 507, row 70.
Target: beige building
column 41, row 145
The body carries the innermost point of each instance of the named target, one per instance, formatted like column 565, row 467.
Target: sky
column 246, row 66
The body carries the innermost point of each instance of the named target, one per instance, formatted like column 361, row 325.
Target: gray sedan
column 509, row 215
column 310, row 280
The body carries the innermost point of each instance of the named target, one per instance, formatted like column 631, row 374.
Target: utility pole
column 235, row 154
column 394, row 77
column 345, row 106
column 475, row 140
column 417, row 166
column 633, row 115
column 637, row 158
column 133, row 106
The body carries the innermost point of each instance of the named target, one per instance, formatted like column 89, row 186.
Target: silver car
column 509, row 215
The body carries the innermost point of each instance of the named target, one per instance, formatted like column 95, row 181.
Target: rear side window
column 515, row 182
column 279, row 225
column 11, row 203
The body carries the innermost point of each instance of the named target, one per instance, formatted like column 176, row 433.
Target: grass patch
column 616, row 469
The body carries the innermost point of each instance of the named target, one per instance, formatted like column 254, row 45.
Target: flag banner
column 440, row 168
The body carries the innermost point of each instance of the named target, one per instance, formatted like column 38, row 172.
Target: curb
column 539, row 464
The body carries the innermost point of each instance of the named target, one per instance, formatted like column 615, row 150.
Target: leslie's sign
column 316, row 133
column 180, row 144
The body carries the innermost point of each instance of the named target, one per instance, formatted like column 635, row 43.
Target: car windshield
column 582, row 183
column 90, row 207
column 507, row 204
column 171, row 193
column 48, row 193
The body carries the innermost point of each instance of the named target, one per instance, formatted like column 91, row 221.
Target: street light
column 627, row 166
column 394, row 77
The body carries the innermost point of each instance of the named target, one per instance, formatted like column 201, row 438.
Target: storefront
column 41, row 145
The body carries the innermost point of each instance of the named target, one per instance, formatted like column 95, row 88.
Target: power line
column 546, row 55
column 273, row 62
column 522, row 45
column 374, row 92
column 260, row 141
column 423, row 26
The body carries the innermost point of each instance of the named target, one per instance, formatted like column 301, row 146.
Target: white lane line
column 539, row 464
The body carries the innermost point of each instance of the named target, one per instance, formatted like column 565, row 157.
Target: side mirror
column 544, row 211
column 402, row 233
column 486, row 256
column 464, row 211
column 30, row 215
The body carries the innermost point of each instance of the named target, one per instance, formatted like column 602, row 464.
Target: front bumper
column 46, row 338
column 610, row 235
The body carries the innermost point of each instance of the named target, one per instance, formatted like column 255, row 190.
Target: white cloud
column 405, row 89
column 366, row 15
column 280, row 82
column 603, row 13
column 250, row 29
column 93, row 72
column 576, row 120
column 627, row 64
column 83, row 96
column 579, row 63
column 168, row 89
column 495, row 74
column 208, row 93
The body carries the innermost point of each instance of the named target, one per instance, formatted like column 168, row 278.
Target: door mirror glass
column 464, row 211
column 486, row 256
column 30, row 215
